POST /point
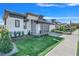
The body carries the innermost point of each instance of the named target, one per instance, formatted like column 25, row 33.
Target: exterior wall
column 10, row 23
column 33, row 27
column 44, row 28
column 32, row 17
column 51, row 27
column 29, row 25
column 37, row 28
column 57, row 26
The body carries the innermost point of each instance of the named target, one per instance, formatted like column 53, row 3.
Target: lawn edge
column 49, row 48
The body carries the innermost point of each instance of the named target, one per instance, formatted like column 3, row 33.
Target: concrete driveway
column 66, row 48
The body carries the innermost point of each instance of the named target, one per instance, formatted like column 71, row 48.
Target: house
column 54, row 24
column 22, row 24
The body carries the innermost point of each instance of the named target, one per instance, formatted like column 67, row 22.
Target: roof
column 24, row 15
column 15, row 13
column 57, row 22
column 41, row 20
column 34, row 14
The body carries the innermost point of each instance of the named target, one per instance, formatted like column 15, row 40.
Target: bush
column 22, row 33
column 5, row 41
column 15, row 34
column 63, row 28
column 29, row 33
column 55, row 30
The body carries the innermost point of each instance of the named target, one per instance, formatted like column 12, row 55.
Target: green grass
column 33, row 46
column 49, row 48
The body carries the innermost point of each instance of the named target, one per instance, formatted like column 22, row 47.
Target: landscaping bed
column 34, row 46
column 65, row 29
column 62, row 31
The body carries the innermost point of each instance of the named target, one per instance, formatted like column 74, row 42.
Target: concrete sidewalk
column 66, row 48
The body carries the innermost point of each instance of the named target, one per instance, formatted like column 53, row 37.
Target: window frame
column 17, row 23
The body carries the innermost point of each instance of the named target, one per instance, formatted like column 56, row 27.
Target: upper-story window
column 17, row 23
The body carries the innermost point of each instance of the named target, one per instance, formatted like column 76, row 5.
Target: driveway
column 68, row 47
column 54, row 34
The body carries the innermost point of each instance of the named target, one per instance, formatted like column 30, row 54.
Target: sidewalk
column 66, row 48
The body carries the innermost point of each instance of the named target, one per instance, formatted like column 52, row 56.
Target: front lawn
column 33, row 46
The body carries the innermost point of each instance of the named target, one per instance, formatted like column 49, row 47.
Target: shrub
column 62, row 28
column 29, row 33
column 5, row 41
column 15, row 34
column 22, row 33
column 19, row 33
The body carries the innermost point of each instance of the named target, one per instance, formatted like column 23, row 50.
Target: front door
column 33, row 27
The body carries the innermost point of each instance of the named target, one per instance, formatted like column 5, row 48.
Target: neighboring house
column 58, row 24
column 25, row 23
column 51, row 27
column 54, row 25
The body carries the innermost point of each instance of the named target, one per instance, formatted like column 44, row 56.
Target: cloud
column 64, row 19
column 61, row 17
column 73, row 4
column 45, row 5
column 57, row 4
column 48, row 5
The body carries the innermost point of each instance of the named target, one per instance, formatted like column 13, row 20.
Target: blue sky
column 63, row 12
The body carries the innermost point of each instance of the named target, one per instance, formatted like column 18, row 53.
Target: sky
column 63, row 12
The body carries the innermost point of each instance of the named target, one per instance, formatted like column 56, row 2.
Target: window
column 44, row 28
column 17, row 23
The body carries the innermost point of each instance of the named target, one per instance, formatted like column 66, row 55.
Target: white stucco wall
column 51, row 27
column 37, row 29
column 32, row 17
column 11, row 25
column 29, row 25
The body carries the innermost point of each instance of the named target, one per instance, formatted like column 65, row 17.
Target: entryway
column 33, row 27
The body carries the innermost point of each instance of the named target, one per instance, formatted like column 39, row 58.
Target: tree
column 62, row 28
column 5, row 41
